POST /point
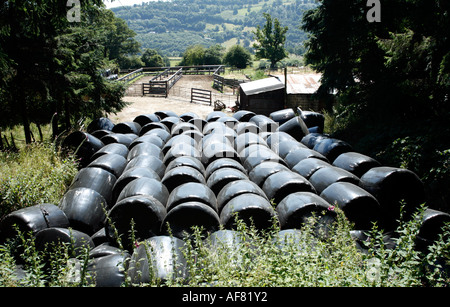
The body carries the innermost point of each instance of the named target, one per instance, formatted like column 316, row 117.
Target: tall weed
column 37, row 174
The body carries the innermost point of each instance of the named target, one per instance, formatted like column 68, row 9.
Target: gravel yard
column 178, row 103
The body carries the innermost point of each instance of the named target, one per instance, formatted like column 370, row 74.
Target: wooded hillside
column 172, row 26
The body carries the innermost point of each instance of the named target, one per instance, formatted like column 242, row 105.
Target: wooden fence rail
column 201, row 96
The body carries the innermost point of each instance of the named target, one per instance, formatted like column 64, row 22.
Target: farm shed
column 300, row 90
column 262, row 96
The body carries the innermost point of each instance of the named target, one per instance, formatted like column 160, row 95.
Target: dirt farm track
column 147, row 105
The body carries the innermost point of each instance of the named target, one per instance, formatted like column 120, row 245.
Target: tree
column 53, row 63
column 120, row 44
column 214, row 55
column 194, row 55
column 237, row 56
column 270, row 41
column 391, row 80
column 152, row 58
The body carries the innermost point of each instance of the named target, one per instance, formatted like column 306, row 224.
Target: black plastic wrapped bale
column 229, row 121
column 230, row 244
column 251, row 209
column 192, row 192
column 96, row 179
column 166, row 261
column 180, row 175
column 152, row 139
column 114, row 148
column 129, row 176
column 150, row 162
column 313, row 119
column 145, row 149
column 200, row 123
column 307, row 167
column 226, row 238
column 312, row 139
column 181, row 220
column 355, row 163
column 163, row 134
column 125, row 139
column 171, row 121
column 154, row 126
column 432, row 226
column 299, row 154
column 127, row 127
column 194, row 134
column 53, row 237
column 297, row 209
column 264, row 123
column 295, row 127
column 179, row 140
column 219, row 151
column 246, row 139
column 246, row 127
column 243, row 115
column 326, row 176
column 32, row 219
column 85, row 209
column 162, row 114
column 108, row 271
column 390, row 186
column 213, row 116
column 222, row 177
column 263, row 154
column 279, row 185
column 101, row 133
column 101, row 123
column 332, row 148
column 282, row 116
column 84, row 145
column 186, row 161
column 223, row 130
column 99, row 238
column 145, row 119
column 262, row 171
column 222, row 163
column 236, row 188
column 359, row 206
column 145, row 187
column 179, row 150
column 147, row 214
column 212, row 139
column 181, row 127
column 287, row 237
column 105, row 249
column 275, row 138
column 286, row 147
column 113, row 163
column 188, row 116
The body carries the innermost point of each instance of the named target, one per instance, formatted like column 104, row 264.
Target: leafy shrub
column 36, row 174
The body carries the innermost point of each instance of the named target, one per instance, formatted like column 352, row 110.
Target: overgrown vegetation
column 392, row 83
column 265, row 259
column 37, row 174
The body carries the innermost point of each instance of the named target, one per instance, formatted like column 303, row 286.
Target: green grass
column 37, row 174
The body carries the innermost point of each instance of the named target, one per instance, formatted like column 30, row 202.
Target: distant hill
column 172, row 26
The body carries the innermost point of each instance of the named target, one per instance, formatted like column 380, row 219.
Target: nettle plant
column 256, row 258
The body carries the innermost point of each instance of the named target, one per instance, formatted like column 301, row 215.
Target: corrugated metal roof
column 301, row 83
column 261, row 86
